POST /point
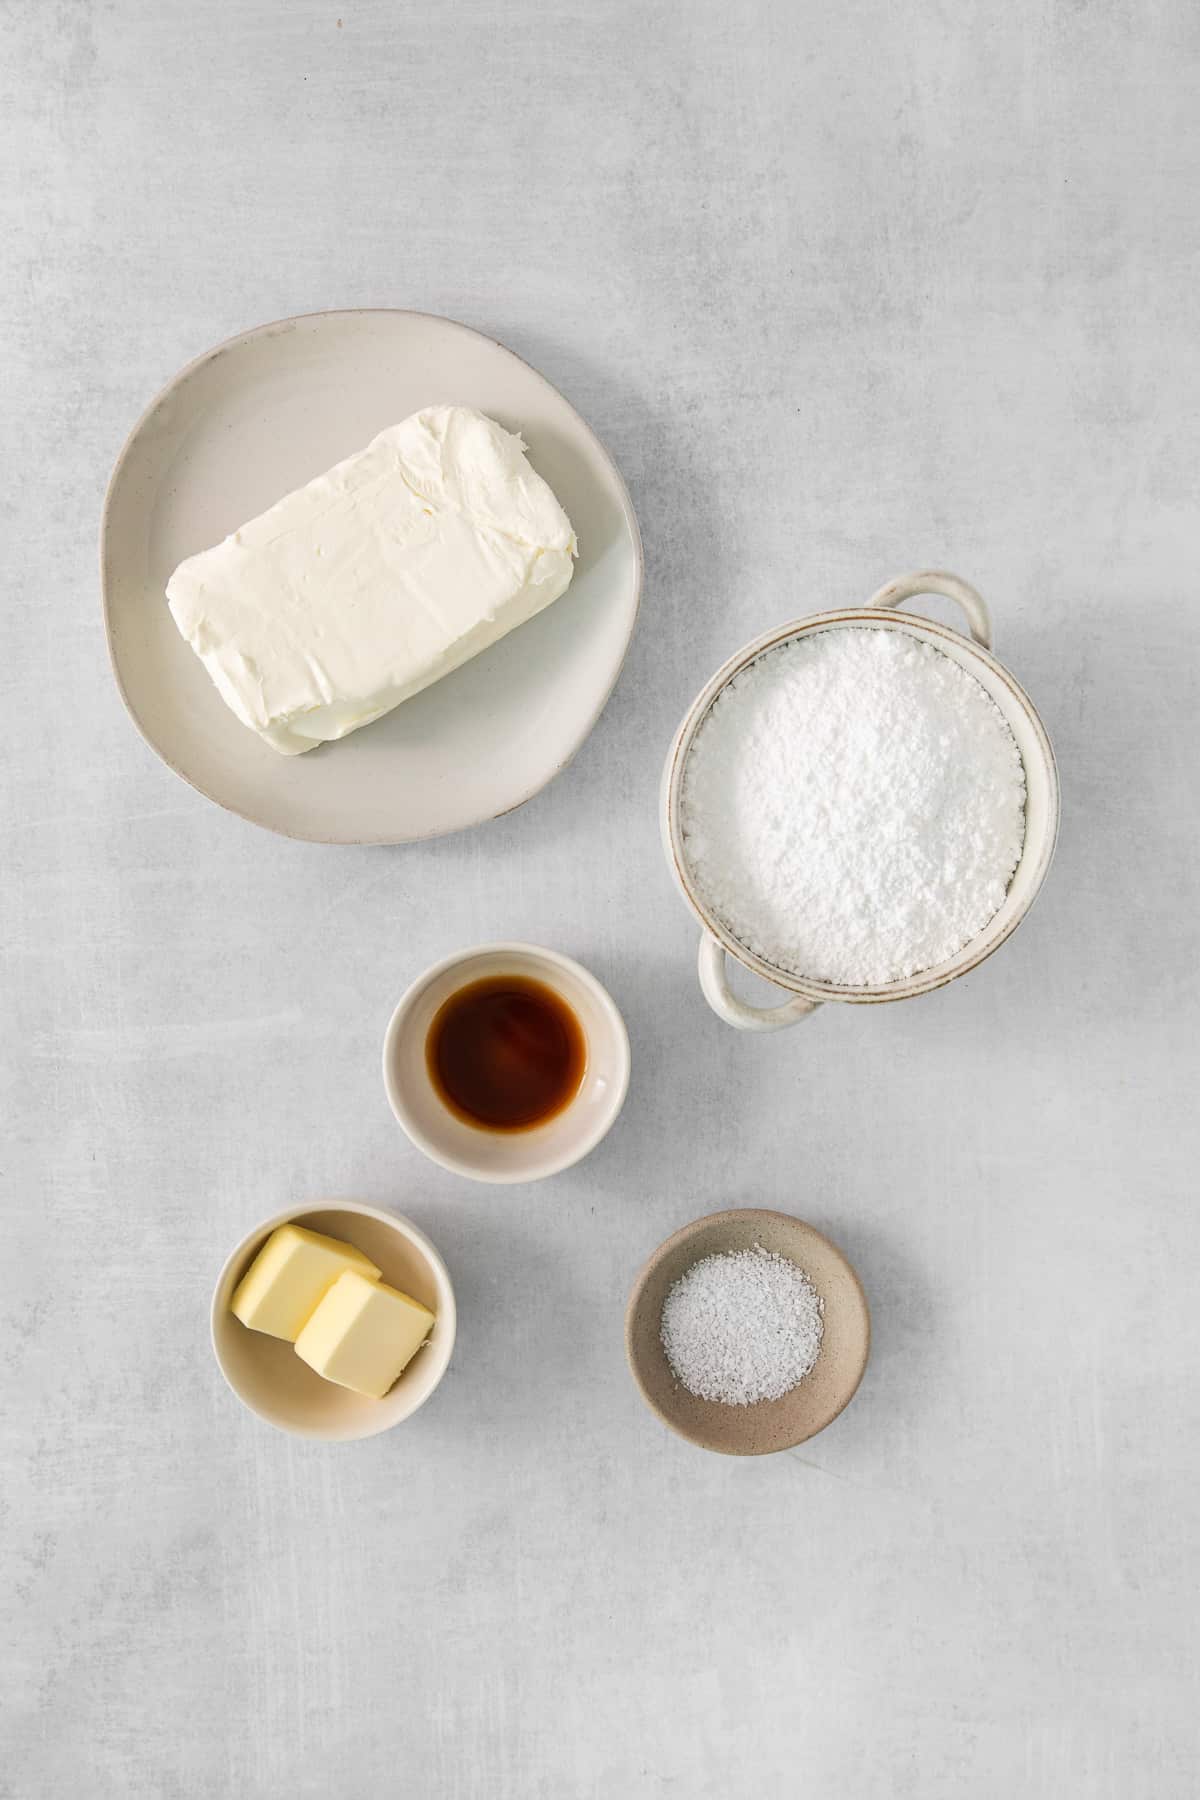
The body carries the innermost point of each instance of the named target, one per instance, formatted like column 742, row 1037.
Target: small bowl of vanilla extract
column 507, row 1062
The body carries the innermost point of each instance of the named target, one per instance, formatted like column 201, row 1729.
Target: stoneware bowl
column 268, row 1376
column 1041, row 805
column 772, row 1424
column 516, row 1155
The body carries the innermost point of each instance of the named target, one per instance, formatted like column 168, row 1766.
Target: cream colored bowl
column 507, row 1156
column 1041, row 805
column 268, row 1376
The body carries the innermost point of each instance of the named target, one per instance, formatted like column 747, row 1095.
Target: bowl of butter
column 333, row 1320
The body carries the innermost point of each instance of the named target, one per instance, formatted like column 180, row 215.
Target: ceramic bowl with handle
column 717, row 941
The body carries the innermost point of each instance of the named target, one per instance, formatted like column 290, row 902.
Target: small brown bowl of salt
column 747, row 1332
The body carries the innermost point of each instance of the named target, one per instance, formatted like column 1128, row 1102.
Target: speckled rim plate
column 265, row 412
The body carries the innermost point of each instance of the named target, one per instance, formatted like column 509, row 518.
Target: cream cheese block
column 396, row 566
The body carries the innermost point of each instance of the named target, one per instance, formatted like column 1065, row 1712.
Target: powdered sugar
column 742, row 1327
column 853, row 806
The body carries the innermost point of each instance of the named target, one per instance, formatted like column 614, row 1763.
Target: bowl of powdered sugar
column 747, row 1331
column 860, row 805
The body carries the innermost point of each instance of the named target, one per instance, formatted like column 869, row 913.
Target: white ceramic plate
column 266, row 412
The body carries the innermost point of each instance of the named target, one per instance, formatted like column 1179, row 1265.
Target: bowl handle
column 951, row 587
column 714, row 983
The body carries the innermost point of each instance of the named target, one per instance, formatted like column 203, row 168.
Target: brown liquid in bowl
column 506, row 1053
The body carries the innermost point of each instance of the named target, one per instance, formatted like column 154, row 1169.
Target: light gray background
column 846, row 288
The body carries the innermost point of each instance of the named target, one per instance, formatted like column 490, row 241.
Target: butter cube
column 292, row 1272
column 363, row 1334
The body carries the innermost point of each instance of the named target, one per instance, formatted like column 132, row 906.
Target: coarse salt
column 853, row 806
column 742, row 1327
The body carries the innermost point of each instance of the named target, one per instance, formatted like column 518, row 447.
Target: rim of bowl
column 553, row 1165
column 693, row 1229
column 976, row 950
column 267, row 329
column 447, row 1314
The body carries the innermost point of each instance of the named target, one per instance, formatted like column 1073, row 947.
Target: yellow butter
column 363, row 1334
column 290, row 1275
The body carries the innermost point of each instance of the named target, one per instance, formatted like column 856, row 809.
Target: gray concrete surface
column 847, row 289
